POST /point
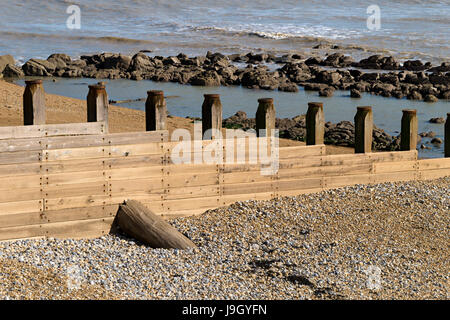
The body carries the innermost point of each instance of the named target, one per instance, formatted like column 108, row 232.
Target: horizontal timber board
column 83, row 213
column 68, row 229
column 21, row 206
column 76, row 202
column 433, row 174
column 431, row 164
column 46, row 130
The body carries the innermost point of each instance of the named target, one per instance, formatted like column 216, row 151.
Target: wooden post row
column 97, row 104
column 315, row 124
column 34, row 103
column 155, row 111
column 265, row 117
column 211, row 115
column 447, row 136
column 363, row 130
column 408, row 136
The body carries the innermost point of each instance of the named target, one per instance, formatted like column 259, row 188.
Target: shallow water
column 185, row 100
column 409, row 28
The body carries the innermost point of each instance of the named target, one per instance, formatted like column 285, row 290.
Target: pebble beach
column 385, row 241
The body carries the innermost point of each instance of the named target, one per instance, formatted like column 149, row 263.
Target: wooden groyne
column 68, row 180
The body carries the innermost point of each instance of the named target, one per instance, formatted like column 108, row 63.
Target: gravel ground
column 385, row 241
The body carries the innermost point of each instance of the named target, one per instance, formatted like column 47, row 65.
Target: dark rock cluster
column 412, row 79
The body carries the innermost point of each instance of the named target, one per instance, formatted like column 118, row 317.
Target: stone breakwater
column 385, row 241
column 340, row 134
column 413, row 79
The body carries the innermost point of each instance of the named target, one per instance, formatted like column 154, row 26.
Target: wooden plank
column 191, row 180
column 301, row 151
column 135, row 149
column 21, row 232
column 72, row 190
column 349, row 180
column 15, row 170
column 315, row 161
column 134, row 162
column 395, row 176
column 83, row 213
column 75, row 153
column 20, row 157
column 59, row 179
column 21, row 206
column 432, row 164
column 155, row 172
column 20, row 182
column 192, row 192
column 185, row 169
column 76, row 202
column 255, row 187
column 298, row 184
column 13, row 145
column 47, row 130
column 80, row 229
column 393, row 156
column 137, row 137
column 189, row 204
column 11, row 195
column 8, row 220
column 146, row 186
column 66, row 166
column 387, row 167
column 433, row 174
column 245, row 177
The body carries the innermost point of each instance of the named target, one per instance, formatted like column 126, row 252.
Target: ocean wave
column 284, row 32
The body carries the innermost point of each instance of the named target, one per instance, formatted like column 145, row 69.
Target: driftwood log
column 137, row 221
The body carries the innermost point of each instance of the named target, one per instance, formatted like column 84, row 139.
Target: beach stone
column 414, row 95
column 338, row 60
column 414, row 65
column 312, row 61
column 437, row 120
column 430, row 98
column 328, row 77
column 370, row 77
column 429, row 134
column 37, row 67
column 326, row 92
column 437, row 141
column 378, row 62
column 141, row 62
column 206, row 78
column 355, row 93
column 288, row 87
column 5, row 60
column 13, row 71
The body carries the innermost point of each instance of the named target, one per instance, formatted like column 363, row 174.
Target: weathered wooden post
column 315, row 124
column 34, row 103
column 155, row 111
column 363, row 130
column 97, row 104
column 265, row 117
column 410, row 127
column 447, row 136
column 211, row 114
